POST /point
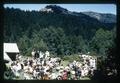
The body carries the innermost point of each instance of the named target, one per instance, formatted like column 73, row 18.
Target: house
column 10, row 51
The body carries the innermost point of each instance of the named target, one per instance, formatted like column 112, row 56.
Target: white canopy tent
column 10, row 49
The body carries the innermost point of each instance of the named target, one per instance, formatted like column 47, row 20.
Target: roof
column 11, row 47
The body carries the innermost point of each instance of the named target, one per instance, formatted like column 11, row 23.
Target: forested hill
column 58, row 30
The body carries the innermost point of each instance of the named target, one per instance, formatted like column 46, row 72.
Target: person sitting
column 72, row 75
column 59, row 78
column 65, row 75
column 33, row 53
column 68, row 75
column 42, row 73
column 78, row 73
column 30, row 62
column 44, row 63
column 45, row 77
column 36, row 55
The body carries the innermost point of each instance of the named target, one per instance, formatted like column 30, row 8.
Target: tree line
column 61, row 34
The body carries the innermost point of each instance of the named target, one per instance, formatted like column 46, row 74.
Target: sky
column 101, row 8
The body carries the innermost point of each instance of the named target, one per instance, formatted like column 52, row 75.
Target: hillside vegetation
column 61, row 34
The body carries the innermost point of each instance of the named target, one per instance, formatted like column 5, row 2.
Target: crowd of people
column 41, row 66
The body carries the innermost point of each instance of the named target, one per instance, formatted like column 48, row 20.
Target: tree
column 102, row 40
column 61, row 34
column 41, row 45
column 23, row 44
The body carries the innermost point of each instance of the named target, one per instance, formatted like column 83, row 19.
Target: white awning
column 11, row 48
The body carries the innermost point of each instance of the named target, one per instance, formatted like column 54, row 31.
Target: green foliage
column 93, row 53
column 102, row 40
column 41, row 45
column 23, row 44
column 61, row 34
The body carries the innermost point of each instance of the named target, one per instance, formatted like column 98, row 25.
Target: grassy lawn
column 65, row 62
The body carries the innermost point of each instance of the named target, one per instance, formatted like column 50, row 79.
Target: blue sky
column 101, row 8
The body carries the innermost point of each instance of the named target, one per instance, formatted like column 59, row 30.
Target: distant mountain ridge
column 53, row 15
column 102, row 17
column 54, row 8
